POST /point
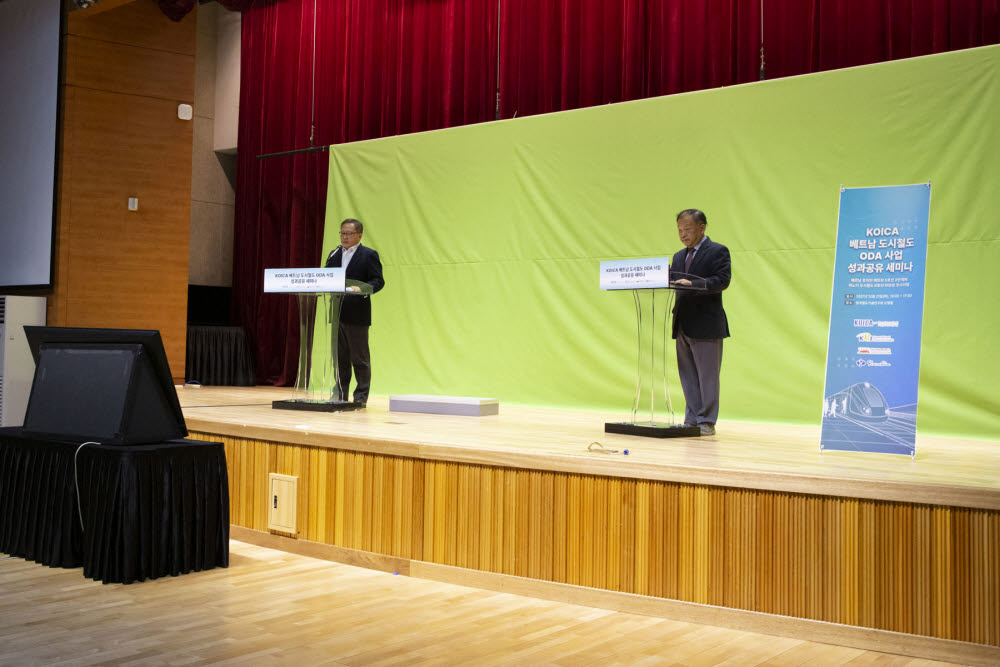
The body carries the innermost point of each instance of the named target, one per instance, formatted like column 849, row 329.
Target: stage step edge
column 869, row 639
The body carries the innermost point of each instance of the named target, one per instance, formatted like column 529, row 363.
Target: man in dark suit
column 362, row 264
column 699, row 322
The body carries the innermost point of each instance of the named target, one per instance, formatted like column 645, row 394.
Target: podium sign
column 298, row 281
column 636, row 273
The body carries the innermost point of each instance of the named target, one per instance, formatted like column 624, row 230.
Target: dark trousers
column 352, row 351
column 698, row 365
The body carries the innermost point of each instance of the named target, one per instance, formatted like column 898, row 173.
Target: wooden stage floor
column 751, row 528
column 945, row 471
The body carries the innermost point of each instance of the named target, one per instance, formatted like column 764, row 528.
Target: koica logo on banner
column 867, row 324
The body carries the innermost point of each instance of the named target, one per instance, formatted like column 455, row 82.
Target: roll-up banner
column 876, row 313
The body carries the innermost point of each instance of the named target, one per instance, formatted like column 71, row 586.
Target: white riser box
column 17, row 368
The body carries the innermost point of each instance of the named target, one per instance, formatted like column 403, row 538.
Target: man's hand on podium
column 682, row 281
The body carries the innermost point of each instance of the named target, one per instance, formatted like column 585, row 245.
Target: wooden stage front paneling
column 752, row 519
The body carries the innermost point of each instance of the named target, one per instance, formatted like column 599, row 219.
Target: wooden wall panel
column 132, row 70
column 120, row 261
column 141, row 23
column 126, row 70
column 894, row 566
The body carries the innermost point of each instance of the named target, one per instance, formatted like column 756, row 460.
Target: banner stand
column 876, row 315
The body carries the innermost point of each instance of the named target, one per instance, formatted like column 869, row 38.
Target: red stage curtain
column 383, row 67
column 386, row 67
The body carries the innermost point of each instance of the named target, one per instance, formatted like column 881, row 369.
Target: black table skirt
column 148, row 510
column 219, row 356
column 38, row 515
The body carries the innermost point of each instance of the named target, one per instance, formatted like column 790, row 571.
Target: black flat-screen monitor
column 111, row 386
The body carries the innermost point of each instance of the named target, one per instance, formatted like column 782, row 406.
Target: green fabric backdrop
column 491, row 235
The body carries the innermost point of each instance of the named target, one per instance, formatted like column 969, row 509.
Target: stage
column 751, row 528
column 946, row 471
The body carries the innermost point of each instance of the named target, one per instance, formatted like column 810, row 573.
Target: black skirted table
column 147, row 510
column 219, row 356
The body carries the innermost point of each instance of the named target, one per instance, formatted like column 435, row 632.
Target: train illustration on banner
column 862, row 401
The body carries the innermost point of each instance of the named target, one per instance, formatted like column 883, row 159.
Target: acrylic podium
column 320, row 294
column 652, row 286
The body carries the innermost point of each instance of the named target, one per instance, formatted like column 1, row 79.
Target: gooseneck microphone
column 330, row 256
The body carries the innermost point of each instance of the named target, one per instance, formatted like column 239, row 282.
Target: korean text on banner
column 876, row 313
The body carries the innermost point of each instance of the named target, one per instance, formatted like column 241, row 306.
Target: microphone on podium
column 330, row 256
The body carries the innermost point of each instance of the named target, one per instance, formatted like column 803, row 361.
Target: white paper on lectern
column 305, row 280
column 648, row 273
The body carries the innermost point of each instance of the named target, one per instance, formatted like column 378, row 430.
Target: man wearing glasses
column 700, row 322
column 361, row 264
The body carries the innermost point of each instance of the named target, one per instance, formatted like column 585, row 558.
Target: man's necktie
column 687, row 261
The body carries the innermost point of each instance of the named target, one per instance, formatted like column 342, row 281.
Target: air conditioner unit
column 17, row 368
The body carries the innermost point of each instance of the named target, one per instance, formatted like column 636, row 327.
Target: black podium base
column 653, row 430
column 312, row 405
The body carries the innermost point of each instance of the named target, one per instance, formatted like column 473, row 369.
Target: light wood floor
column 946, row 471
column 276, row 608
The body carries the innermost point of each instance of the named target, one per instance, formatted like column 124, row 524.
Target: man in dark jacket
column 361, row 264
column 699, row 322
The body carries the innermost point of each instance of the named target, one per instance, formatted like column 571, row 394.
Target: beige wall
column 213, row 175
column 127, row 67
column 126, row 71
column 227, row 79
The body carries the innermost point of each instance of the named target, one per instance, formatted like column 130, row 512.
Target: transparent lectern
column 652, row 286
column 320, row 294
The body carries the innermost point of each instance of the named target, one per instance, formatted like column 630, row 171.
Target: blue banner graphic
column 873, row 353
